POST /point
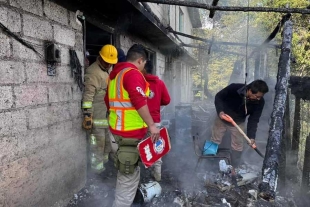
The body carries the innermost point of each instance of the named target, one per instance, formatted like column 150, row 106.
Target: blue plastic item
column 210, row 148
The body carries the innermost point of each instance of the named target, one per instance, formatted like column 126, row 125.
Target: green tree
column 253, row 28
column 301, row 36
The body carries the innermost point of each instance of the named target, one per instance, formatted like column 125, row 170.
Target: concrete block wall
column 42, row 145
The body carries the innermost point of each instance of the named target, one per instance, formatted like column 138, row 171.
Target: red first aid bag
column 150, row 152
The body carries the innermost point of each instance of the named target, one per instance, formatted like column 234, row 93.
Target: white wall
column 174, row 13
column 181, row 83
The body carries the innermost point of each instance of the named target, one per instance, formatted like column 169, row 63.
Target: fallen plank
column 247, row 178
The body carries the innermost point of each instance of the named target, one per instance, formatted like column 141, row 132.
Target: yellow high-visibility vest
column 122, row 114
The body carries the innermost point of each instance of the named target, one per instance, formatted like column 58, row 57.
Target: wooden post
column 269, row 45
column 282, row 160
column 214, row 49
column 306, row 168
column 237, row 75
column 201, row 71
column 263, row 69
column 288, row 134
column 212, row 12
column 271, row 163
column 296, row 126
column 257, row 67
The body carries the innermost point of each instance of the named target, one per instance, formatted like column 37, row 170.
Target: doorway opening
column 95, row 39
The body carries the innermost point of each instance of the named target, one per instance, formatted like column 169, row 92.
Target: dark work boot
column 235, row 158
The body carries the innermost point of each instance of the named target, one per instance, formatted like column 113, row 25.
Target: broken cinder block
column 247, row 178
column 253, row 194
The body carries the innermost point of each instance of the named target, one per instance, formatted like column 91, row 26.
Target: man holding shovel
column 238, row 101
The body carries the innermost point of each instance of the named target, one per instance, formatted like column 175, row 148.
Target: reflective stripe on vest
column 120, row 104
column 87, row 104
column 123, row 116
column 100, row 122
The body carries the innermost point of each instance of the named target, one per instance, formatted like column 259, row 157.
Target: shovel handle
column 243, row 134
column 248, row 140
column 229, row 119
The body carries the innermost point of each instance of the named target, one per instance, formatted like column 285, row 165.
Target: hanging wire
column 20, row 40
column 246, row 57
column 247, row 43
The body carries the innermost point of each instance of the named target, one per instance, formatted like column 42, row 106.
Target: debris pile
column 203, row 189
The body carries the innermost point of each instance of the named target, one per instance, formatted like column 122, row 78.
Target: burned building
column 42, row 145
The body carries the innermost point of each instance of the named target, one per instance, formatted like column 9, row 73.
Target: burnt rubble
column 184, row 184
column 186, row 188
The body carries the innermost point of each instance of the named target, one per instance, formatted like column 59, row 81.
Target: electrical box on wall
column 52, row 57
column 52, row 53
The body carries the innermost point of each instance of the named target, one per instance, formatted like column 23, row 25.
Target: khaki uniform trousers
column 157, row 165
column 126, row 184
column 219, row 129
column 100, row 147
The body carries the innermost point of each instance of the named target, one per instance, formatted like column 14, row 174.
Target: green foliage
column 232, row 27
column 301, row 36
column 219, row 72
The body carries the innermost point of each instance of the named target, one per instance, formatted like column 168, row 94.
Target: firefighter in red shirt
column 159, row 96
column 129, row 118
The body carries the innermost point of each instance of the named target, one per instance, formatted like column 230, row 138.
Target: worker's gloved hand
column 222, row 115
column 88, row 121
column 226, row 117
column 252, row 142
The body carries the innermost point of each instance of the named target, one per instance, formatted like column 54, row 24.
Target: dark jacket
column 231, row 100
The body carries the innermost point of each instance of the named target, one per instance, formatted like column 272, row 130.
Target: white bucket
column 150, row 190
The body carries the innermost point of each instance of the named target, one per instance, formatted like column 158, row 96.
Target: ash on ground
column 183, row 185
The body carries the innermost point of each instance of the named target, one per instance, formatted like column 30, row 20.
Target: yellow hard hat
column 109, row 54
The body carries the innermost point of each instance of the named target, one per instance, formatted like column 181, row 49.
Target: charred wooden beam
column 278, row 27
column 296, row 126
column 238, row 75
column 306, row 169
column 229, row 8
column 288, row 133
column 219, row 43
column 282, row 160
column 212, row 11
column 300, row 87
column 272, row 35
column 213, row 49
column 270, row 169
column 257, row 67
column 264, row 65
column 285, row 144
